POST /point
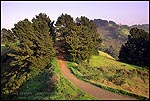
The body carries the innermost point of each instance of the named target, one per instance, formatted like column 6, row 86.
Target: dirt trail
column 87, row 87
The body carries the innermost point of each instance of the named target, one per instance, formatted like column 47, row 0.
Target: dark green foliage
column 30, row 54
column 64, row 24
column 136, row 49
column 11, row 78
column 65, row 21
column 80, row 38
column 89, row 37
column 36, row 47
column 77, row 41
column 7, row 36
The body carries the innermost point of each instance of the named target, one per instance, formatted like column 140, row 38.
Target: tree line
column 35, row 39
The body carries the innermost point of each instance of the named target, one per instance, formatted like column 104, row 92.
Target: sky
column 121, row 12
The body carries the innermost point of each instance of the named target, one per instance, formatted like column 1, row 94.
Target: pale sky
column 124, row 12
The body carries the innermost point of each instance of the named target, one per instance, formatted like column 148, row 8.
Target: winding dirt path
column 87, row 87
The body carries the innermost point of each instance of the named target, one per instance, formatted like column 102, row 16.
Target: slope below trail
column 87, row 87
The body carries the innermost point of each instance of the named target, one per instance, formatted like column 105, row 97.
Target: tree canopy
column 7, row 36
column 136, row 49
column 80, row 37
column 35, row 47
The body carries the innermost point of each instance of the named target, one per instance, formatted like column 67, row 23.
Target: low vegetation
column 114, row 76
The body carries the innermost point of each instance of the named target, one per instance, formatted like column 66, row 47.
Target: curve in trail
column 87, row 87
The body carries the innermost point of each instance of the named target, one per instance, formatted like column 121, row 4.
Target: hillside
column 143, row 26
column 114, row 35
column 40, row 85
column 114, row 76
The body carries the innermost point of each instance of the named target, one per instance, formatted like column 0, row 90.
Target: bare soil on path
column 87, row 87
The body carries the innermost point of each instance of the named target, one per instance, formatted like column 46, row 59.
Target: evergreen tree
column 35, row 47
column 64, row 24
column 91, row 33
column 80, row 38
column 7, row 36
column 136, row 49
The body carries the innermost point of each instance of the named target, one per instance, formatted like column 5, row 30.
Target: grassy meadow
column 114, row 76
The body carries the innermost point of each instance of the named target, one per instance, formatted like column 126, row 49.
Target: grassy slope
column 66, row 90
column 108, row 74
column 105, row 55
column 34, row 89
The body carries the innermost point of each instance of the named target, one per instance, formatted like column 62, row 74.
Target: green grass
column 34, row 89
column 114, row 76
column 105, row 55
column 100, row 61
column 66, row 90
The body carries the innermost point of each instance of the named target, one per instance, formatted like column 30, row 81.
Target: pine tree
column 64, row 24
column 136, row 49
column 80, row 38
column 35, row 47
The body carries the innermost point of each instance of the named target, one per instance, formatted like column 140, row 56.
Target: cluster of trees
column 80, row 37
column 136, row 49
column 33, row 41
column 35, row 46
column 31, row 51
column 31, row 45
column 36, row 40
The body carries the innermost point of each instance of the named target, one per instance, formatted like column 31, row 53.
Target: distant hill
column 114, row 35
column 143, row 26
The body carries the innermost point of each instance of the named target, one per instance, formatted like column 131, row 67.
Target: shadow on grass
column 37, row 87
